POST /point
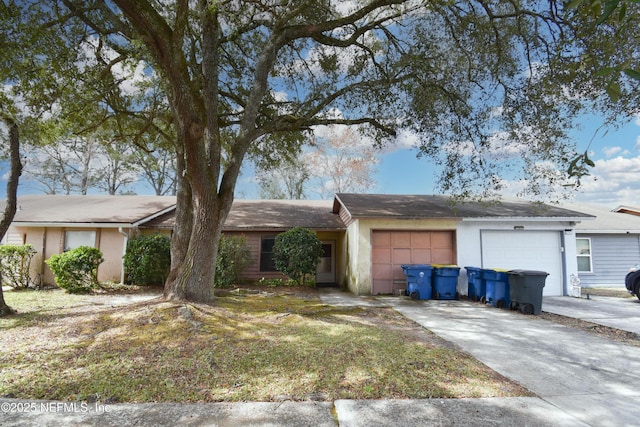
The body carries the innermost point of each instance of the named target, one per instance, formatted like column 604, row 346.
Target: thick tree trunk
column 12, row 189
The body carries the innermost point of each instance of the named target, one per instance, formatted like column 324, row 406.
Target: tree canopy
column 489, row 89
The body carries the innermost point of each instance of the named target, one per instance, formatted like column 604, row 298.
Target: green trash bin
column 525, row 288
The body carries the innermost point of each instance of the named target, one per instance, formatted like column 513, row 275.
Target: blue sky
column 614, row 181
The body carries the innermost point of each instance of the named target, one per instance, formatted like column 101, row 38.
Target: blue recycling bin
column 477, row 288
column 418, row 280
column 445, row 281
column 497, row 287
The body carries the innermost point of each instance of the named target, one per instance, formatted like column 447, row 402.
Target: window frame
column 94, row 236
column 588, row 255
column 267, row 265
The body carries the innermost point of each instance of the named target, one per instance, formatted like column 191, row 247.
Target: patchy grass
column 260, row 347
column 619, row 292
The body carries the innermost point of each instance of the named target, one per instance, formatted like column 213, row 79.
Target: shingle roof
column 283, row 214
column 434, row 206
column 76, row 209
column 606, row 221
column 271, row 215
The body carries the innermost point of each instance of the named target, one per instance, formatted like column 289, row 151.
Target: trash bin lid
column 528, row 273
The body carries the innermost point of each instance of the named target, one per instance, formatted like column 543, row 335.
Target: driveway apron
column 592, row 379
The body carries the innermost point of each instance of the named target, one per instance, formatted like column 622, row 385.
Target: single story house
column 366, row 237
column 386, row 231
column 607, row 246
column 53, row 224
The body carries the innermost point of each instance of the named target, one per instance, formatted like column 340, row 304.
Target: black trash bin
column 525, row 287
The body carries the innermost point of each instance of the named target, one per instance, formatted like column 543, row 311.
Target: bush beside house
column 148, row 260
column 297, row 253
column 234, row 255
column 15, row 261
column 76, row 270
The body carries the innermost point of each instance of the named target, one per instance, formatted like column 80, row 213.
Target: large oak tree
column 485, row 87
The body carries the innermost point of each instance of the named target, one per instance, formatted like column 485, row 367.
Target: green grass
column 246, row 347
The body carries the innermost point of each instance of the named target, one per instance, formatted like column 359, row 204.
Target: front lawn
column 252, row 347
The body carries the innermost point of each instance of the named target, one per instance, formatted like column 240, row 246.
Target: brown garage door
column 391, row 249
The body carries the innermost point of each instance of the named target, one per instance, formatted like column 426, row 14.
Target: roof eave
column 73, row 224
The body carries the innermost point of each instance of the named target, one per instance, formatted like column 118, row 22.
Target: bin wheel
column 527, row 309
column 500, row 303
column 513, row 305
column 414, row 295
column 436, row 295
column 472, row 297
column 483, row 299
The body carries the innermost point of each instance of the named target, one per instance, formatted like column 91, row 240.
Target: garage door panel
column 421, row 256
column 383, row 271
column 441, row 240
column 441, row 256
column 381, row 255
column 401, row 240
column 533, row 250
column 401, row 256
column 381, row 239
column 421, row 240
column 391, row 249
column 383, row 286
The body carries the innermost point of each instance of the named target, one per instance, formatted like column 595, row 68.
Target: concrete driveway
column 590, row 379
column 619, row 313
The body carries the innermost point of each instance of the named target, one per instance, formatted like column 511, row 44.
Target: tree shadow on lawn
column 235, row 350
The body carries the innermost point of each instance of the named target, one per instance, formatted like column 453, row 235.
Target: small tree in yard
column 296, row 253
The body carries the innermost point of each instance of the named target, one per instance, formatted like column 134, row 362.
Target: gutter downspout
column 124, row 251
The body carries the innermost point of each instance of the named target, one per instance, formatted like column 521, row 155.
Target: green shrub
column 234, row 256
column 76, row 270
column 296, row 253
column 148, row 260
column 15, row 261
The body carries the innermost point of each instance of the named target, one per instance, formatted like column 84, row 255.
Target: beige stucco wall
column 50, row 240
column 358, row 246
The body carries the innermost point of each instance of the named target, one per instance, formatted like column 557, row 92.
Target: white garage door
column 526, row 250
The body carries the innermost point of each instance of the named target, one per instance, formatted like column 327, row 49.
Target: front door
column 326, row 272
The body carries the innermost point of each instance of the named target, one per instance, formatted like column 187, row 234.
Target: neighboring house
column 55, row 223
column 608, row 246
column 366, row 237
column 260, row 221
column 386, row 231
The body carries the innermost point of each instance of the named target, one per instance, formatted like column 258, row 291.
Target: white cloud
column 612, row 182
column 611, row 151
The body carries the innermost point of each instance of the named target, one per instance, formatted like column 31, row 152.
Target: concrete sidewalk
column 580, row 380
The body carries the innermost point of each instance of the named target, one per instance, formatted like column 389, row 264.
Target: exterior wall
column 469, row 245
column 611, row 256
column 112, row 245
column 358, row 246
column 254, row 238
column 50, row 240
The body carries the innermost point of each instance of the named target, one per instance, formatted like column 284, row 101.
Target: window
column 74, row 239
column 266, row 253
column 583, row 250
